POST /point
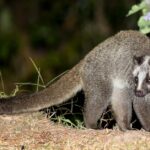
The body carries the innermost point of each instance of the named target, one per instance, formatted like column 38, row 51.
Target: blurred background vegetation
column 55, row 34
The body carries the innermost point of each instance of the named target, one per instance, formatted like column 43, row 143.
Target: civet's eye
column 136, row 79
column 148, row 80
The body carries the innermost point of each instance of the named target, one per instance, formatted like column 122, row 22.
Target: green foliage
column 67, row 122
column 144, row 25
column 8, row 43
column 144, row 20
column 135, row 8
column 6, row 21
column 3, row 94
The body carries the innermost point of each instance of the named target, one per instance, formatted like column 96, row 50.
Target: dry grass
column 35, row 131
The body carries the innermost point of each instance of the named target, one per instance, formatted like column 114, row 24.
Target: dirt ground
column 35, row 131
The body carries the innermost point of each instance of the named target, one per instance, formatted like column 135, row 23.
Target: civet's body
column 106, row 77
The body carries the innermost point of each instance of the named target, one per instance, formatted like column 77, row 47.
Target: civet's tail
column 60, row 91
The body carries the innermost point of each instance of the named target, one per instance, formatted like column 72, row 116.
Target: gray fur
column 142, row 109
column 105, row 75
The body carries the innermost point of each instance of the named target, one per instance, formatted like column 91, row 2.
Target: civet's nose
column 139, row 93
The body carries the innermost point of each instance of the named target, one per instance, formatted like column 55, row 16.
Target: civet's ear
column 138, row 60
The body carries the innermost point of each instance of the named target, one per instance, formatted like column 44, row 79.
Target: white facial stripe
column 148, row 86
column 144, row 65
column 146, row 60
column 141, row 78
column 135, row 71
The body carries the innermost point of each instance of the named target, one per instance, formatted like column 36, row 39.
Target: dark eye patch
column 138, row 59
column 136, row 80
column 149, row 62
column 148, row 78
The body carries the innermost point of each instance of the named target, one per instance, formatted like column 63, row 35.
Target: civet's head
column 141, row 73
